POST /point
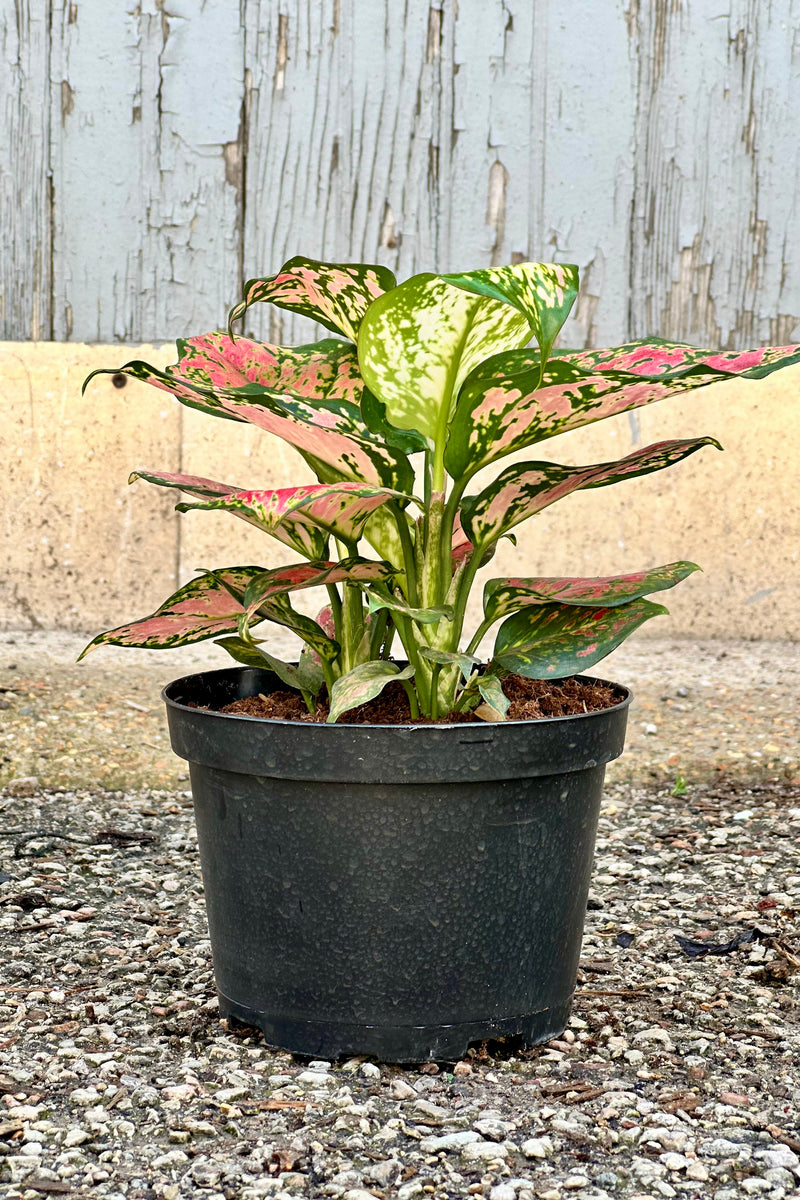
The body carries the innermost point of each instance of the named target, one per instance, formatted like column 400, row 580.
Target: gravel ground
column 678, row 1075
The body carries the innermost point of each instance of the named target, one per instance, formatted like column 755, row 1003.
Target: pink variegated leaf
column 335, row 295
column 363, row 683
column 329, row 433
column 557, row 640
column 193, row 485
column 267, row 585
column 213, row 363
column 504, row 596
column 466, row 663
column 655, row 357
column 203, row 608
column 507, row 403
column 296, row 530
column 526, row 488
column 462, row 547
column 326, row 370
column 340, row 509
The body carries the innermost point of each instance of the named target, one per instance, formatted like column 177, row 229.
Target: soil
column 530, row 699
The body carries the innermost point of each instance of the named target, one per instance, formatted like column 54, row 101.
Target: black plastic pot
column 399, row 891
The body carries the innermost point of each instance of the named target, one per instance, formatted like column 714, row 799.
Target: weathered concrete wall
column 85, row 551
column 154, row 154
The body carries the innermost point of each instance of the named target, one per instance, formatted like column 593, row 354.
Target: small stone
column 754, row 1186
column 724, row 1148
column 502, row 1191
column 23, row 785
column 449, row 1141
column 315, row 1078
column 484, row 1151
column 734, row 1098
column 697, row 1171
column 779, row 1156
column 674, row 1162
column 537, row 1147
column 384, row 1173
column 462, row 1068
column 173, row 1158
column 32, row 1149
column 76, row 1136
column 410, row 1190
column 574, row 1183
column 370, row 1071
column 400, row 1090
column 358, row 1194
column 493, row 1129
column 549, row 1194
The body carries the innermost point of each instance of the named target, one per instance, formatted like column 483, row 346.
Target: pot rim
column 409, row 726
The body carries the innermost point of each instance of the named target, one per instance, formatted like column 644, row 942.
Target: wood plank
column 24, row 181
column 148, row 168
column 715, row 213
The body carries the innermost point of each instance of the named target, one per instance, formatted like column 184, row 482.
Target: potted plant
column 404, row 888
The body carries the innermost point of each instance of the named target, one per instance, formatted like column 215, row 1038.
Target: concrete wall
column 154, row 154
column 85, row 551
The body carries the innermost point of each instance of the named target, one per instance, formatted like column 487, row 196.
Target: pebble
column 539, row 1147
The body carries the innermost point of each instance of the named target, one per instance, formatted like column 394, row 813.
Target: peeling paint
column 282, row 53
column 67, row 100
column 496, row 208
column 434, row 43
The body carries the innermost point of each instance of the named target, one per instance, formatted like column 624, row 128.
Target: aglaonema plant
column 425, row 384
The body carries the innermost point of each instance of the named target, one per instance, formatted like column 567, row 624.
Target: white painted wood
column 155, row 152
column 25, row 285
column 145, row 113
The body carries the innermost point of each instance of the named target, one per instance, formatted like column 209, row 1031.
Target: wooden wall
column 154, row 153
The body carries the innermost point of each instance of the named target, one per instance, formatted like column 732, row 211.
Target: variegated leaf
column 193, row 485
column 363, row 683
column 296, row 530
column 213, row 363
column 202, row 608
column 543, row 292
column 422, row 616
column 418, row 343
column 303, row 678
column 335, row 295
column 504, row 596
column 491, row 689
column 449, row 658
column 655, row 357
column 278, row 609
column 557, row 640
column 327, row 432
column 526, row 488
column 340, row 509
column 373, row 411
column 502, row 408
column 266, row 585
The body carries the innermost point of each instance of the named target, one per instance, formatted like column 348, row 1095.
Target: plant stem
column 412, row 697
column 464, row 589
column 408, row 554
column 336, row 605
column 482, row 629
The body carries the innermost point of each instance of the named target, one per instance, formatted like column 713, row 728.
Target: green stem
column 464, row 589
column 403, row 626
column 434, row 690
column 412, row 697
column 352, row 624
column 378, row 623
column 409, row 562
column 480, row 632
column 336, row 605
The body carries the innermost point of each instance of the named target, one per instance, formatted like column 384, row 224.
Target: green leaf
column 448, row 658
column 491, row 689
column 419, row 342
column 423, row 616
column 543, row 292
column 373, row 411
column 363, row 683
column 335, row 295
column 278, row 609
column 504, row 596
column 557, row 640
column 524, row 489
column 252, row 654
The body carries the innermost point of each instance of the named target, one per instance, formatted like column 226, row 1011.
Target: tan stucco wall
column 83, row 551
